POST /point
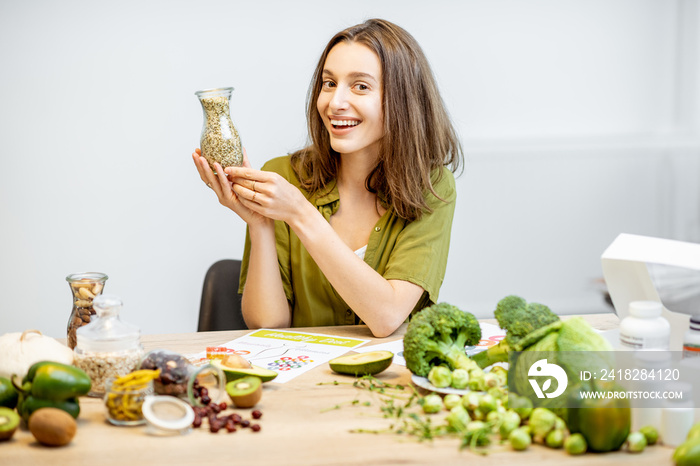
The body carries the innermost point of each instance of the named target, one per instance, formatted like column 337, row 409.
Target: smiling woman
column 355, row 228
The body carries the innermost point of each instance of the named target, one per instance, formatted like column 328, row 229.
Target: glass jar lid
column 107, row 333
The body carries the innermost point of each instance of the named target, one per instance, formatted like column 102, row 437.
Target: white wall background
column 579, row 119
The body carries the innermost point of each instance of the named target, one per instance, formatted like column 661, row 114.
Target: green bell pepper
column 604, row 422
column 48, row 380
column 28, row 404
column 8, row 393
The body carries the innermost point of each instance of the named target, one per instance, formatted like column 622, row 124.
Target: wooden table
column 295, row 428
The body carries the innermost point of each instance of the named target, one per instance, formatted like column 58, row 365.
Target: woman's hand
column 221, row 185
column 266, row 193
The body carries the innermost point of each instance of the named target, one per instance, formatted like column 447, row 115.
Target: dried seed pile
column 220, row 140
column 102, row 366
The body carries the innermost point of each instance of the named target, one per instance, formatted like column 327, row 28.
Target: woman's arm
column 382, row 304
column 264, row 303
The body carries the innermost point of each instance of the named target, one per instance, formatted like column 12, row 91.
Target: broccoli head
column 524, row 324
column 437, row 335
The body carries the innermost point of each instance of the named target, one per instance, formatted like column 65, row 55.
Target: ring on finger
column 255, row 193
column 210, row 186
column 254, row 181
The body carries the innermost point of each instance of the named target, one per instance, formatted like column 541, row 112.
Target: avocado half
column 358, row 364
column 233, row 373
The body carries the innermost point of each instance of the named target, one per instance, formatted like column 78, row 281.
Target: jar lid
column 107, row 333
column 645, row 309
column 695, row 322
column 167, row 414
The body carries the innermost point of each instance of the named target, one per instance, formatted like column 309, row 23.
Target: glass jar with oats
column 220, row 141
column 107, row 347
column 84, row 286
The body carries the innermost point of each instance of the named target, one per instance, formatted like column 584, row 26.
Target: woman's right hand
column 222, row 187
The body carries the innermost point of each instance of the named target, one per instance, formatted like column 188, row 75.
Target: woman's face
column 350, row 102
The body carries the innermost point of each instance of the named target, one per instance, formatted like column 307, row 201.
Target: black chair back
column 220, row 308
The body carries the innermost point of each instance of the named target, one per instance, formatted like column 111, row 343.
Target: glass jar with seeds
column 107, row 347
column 84, row 286
column 219, row 141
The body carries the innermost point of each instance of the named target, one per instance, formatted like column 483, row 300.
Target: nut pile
column 220, row 141
column 84, row 292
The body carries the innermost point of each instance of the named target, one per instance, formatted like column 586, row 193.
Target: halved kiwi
column 9, row 420
column 245, row 392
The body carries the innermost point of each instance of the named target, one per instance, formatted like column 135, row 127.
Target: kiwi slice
column 9, row 420
column 245, row 392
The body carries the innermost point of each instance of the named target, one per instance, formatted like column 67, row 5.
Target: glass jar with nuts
column 107, row 347
column 84, row 286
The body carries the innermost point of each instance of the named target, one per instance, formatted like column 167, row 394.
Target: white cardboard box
column 627, row 275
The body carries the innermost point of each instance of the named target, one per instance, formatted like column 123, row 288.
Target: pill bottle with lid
column 644, row 328
column 691, row 339
column 677, row 414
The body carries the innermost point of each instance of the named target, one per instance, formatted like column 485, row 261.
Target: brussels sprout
column 460, row 378
column 470, row 401
column 502, row 374
column 542, row 421
column 458, row 418
column 440, row 376
column 555, row 439
column 491, row 380
column 452, row 400
column 487, row 403
column 509, row 422
column 651, row 434
column 520, row 404
column 636, row 442
column 575, row 444
column 431, row 403
column 519, row 439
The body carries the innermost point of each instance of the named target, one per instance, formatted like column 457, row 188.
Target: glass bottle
column 200, row 385
column 84, row 286
column 219, row 141
column 107, row 347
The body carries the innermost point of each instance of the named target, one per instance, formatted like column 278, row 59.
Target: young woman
column 355, row 228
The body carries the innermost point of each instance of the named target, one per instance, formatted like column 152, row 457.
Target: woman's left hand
column 266, row 193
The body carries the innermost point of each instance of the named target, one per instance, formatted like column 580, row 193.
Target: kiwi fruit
column 245, row 392
column 9, row 420
column 52, row 426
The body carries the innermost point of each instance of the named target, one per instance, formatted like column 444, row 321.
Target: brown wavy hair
column 418, row 134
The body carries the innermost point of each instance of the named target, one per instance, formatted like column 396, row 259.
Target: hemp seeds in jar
column 107, row 347
column 219, row 141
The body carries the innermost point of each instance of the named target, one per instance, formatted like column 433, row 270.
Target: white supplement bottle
column 677, row 415
column 644, row 328
column 691, row 340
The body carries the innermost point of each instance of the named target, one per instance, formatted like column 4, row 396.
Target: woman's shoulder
column 443, row 181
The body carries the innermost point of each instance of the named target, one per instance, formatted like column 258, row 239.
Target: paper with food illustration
column 286, row 352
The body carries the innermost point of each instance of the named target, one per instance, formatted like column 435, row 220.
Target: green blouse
column 397, row 249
